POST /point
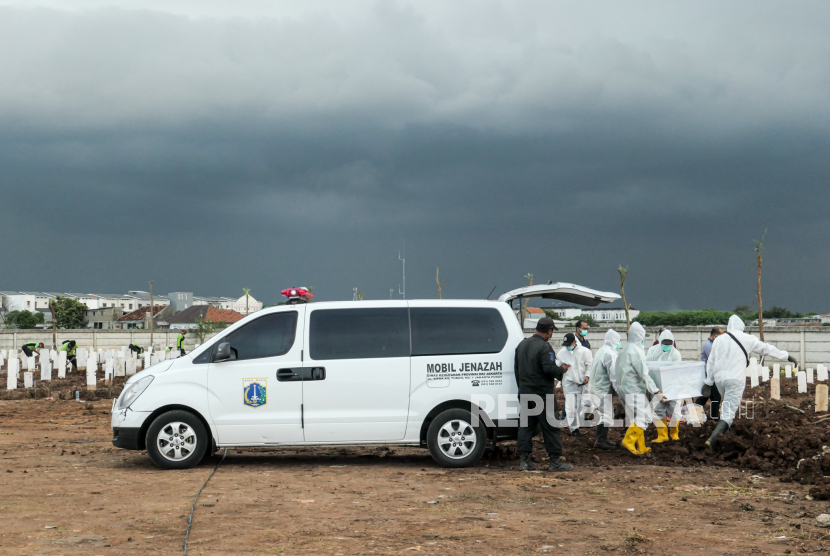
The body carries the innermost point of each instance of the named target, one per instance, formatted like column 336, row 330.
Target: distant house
column 137, row 319
column 103, row 318
column 188, row 317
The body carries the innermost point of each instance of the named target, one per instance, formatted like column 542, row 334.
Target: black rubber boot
column 525, row 463
column 712, row 443
column 576, row 433
column 602, row 439
column 556, row 464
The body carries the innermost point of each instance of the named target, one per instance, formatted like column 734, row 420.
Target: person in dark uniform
column 535, row 367
column 31, row 347
column 582, row 333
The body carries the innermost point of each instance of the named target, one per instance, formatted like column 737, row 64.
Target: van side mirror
column 223, row 352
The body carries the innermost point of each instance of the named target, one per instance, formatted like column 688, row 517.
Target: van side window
column 456, row 330
column 358, row 334
column 267, row 336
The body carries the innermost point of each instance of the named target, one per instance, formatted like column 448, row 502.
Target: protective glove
column 792, row 360
column 706, row 391
column 660, row 396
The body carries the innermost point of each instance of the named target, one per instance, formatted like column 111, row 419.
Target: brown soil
column 64, row 489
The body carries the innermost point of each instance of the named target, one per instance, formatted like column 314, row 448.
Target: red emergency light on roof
column 297, row 293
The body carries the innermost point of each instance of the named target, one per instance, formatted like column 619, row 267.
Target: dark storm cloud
column 211, row 148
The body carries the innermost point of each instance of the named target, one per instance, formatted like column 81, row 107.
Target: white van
column 338, row 373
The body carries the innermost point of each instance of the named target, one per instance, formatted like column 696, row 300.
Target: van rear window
column 456, row 330
column 358, row 334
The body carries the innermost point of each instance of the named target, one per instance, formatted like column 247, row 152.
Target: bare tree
column 440, row 284
column 53, row 307
column 623, row 274
column 152, row 312
column 759, row 263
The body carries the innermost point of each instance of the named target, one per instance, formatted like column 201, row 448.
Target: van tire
column 471, row 444
column 186, row 450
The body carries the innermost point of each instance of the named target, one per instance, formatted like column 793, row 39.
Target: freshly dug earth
column 64, row 489
column 771, row 436
column 61, row 388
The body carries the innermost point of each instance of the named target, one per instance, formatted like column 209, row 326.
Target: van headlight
column 133, row 391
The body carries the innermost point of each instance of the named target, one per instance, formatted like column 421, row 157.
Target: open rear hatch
column 569, row 293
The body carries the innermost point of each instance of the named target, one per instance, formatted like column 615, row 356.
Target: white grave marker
column 802, row 382
column 61, row 360
column 821, row 373
column 131, row 364
column 788, row 371
column 91, row 383
column 753, row 372
column 46, row 373
column 810, row 376
column 764, row 374
column 82, row 359
column 147, row 359
column 154, row 359
column 30, row 362
column 120, row 366
column 28, row 380
column 776, row 370
column 61, row 371
column 11, row 380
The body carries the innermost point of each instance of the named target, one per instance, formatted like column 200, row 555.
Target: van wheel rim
column 457, row 439
column 176, row 441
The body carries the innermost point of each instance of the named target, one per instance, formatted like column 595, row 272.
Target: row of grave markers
column 757, row 374
column 114, row 362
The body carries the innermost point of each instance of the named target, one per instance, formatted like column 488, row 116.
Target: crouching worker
column 71, row 348
column 535, row 367
column 726, row 369
column 603, row 384
column 135, row 348
column 634, row 385
column 32, row 348
column 664, row 350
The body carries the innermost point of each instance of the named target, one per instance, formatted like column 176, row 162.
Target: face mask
column 583, row 333
column 570, row 348
column 666, row 348
column 643, row 342
column 619, row 345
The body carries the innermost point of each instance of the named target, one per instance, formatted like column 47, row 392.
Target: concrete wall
column 808, row 344
column 96, row 339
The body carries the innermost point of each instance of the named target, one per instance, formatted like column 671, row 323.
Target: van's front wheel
column 176, row 440
column 453, row 441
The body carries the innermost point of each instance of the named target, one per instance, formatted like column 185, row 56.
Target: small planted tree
column 623, row 275
column 759, row 263
column 440, row 284
column 205, row 328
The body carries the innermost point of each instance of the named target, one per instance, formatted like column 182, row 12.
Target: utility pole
column 151, row 314
column 53, row 307
column 403, row 260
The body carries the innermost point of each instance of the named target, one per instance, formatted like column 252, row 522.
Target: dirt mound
column 783, row 437
column 61, row 388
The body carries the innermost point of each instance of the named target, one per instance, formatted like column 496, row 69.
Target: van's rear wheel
column 453, row 441
column 177, row 440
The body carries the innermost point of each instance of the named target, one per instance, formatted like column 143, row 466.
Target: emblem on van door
column 253, row 392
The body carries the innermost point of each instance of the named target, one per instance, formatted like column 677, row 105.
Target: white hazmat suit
column 726, row 367
column 573, row 383
column 656, row 353
column 602, row 378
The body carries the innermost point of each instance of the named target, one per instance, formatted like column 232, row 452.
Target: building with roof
column 247, row 306
column 102, row 318
column 599, row 314
column 218, row 302
column 137, row 319
column 189, row 317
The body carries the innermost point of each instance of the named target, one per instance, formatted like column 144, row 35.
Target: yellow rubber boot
column 641, row 443
column 674, row 431
column 662, row 432
column 630, row 441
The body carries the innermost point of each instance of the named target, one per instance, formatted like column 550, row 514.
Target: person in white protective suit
column 726, row 368
column 575, row 380
column 634, row 383
column 664, row 350
column 602, row 383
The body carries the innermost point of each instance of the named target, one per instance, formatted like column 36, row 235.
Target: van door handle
column 314, row 373
column 289, row 375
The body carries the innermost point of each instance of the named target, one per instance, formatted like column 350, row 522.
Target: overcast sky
column 216, row 145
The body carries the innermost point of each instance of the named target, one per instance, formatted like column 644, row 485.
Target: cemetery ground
column 64, row 489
